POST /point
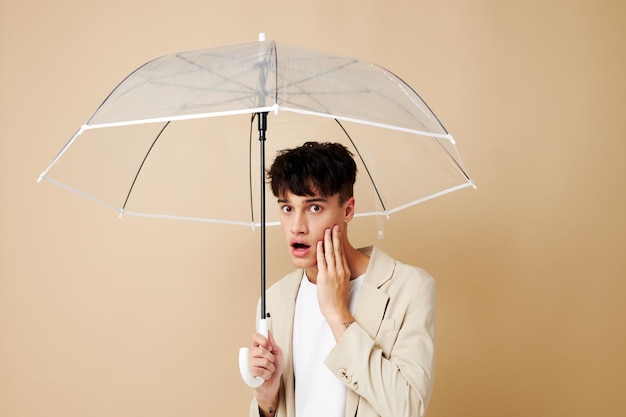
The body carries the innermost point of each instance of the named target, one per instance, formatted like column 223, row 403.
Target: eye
column 286, row 209
column 315, row 208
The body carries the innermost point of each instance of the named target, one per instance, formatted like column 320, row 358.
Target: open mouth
column 299, row 246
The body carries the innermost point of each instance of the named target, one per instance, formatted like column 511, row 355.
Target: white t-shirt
column 318, row 391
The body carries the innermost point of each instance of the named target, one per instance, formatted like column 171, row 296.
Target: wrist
column 267, row 412
column 340, row 324
column 267, row 409
column 347, row 324
column 341, row 316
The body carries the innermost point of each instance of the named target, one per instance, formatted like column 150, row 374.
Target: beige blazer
column 386, row 358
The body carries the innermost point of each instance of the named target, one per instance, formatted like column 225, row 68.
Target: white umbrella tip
column 261, row 37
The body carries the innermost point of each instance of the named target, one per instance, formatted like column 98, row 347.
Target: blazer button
column 355, row 385
column 342, row 373
column 348, row 378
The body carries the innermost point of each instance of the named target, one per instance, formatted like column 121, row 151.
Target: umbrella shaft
column 262, row 118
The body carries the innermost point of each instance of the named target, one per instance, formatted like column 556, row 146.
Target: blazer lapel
column 371, row 305
column 284, row 312
column 372, row 302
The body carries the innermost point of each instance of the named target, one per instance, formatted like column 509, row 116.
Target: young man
column 351, row 330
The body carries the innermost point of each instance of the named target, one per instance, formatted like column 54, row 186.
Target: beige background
column 102, row 317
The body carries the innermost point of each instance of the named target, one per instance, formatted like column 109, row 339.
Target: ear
column 348, row 210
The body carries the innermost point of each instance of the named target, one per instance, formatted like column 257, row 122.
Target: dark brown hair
column 327, row 168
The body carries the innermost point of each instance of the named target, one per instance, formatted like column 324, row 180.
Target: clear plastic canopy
column 176, row 139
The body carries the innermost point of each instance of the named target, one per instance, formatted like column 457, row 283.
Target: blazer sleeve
column 396, row 380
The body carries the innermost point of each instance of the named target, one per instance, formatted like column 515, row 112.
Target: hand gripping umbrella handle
column 244, row 368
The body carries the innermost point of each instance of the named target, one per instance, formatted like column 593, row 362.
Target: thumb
column 274, row 345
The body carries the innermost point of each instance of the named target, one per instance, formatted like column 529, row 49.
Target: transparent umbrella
column 186, row 136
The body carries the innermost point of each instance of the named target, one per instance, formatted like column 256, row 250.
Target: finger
column 259, row 340
column 275, row 348
column 329, row 251
column 272, row 341
column 261, row 357
column 261, row 366
column 336, row 234
column 263, row 370
column 346, row 268
column 337, row 247
column 321, row 258
column 260, row 354
column 342, row 264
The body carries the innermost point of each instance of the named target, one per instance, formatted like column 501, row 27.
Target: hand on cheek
column 333, row 279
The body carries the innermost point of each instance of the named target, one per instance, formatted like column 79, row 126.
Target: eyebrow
column 308, row 200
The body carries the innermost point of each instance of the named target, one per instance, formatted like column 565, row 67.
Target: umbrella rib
column 130, row 190
column 216, row 74
column 275, row 49
column 307, row 77
column 310, row 77
column 369, row 174
column 187, row 60
column 419, row 97
column 364, row 89
column 456, row 163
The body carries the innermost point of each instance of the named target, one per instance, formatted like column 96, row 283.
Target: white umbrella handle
column 244, row 368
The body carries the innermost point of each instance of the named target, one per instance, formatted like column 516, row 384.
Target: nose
column 298, row 224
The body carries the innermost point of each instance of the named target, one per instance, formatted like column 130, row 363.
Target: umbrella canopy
column 176, row 138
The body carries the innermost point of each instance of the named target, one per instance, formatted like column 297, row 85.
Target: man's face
column 304, row 220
